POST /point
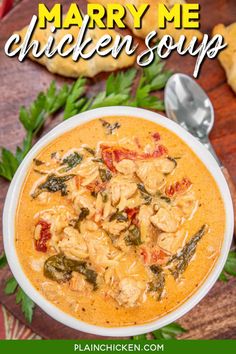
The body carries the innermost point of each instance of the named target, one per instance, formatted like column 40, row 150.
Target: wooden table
column 215, row 316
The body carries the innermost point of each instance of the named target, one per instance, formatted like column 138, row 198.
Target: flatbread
column 65, row 66
column 149, row 22
column 227, row 56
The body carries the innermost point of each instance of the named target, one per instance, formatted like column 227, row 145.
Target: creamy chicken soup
column 118, row 222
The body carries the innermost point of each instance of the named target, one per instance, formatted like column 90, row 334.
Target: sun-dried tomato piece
column 132, row 215
column 178, row 187
column 45, row 235
column 96, row 186
column 111, row 154
column 107, row 156
column 158, row 152
column 153, row 256
column 156, row 136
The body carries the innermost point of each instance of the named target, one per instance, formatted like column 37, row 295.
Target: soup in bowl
column 117, row 222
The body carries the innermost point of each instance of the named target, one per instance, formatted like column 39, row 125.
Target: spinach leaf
column 119, row 216
column 110, row 128
column 144, row 193
column 71, row 161
column 53, row 184
column 179, row 262
column 105, row 174
column 59, row 268
column 91, row 151
column 83, row 213
column 134, row 236
column 158, row 284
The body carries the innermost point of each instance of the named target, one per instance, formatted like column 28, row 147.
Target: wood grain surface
column 215, row 315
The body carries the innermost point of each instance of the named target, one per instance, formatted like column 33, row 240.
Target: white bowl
column 12, row 201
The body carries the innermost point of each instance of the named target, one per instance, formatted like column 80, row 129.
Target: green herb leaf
column 121, row 83
column 158, row 283
column 75, row 101
column 105, row 174
column 10, row 286
column 113, row 99
column 155, row 75
column 3, row 260
column 83, row 214
column 53, row 184
column 153, row 78
column 56, row 99
column 71, row 161
column 180, row 261
column 27, row 305
column 8, row 164
column 33, row 118
column 140, row 337
column 230, row 267
column 59, row 268
column 21, row 152
column 145, row 100
column 170, row 331
column 133, row 237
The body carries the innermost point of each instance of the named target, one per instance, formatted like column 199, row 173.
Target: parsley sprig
column 229, row 268
column 73, row 99
column 32, row 119
column 171, row 331
column 27, row 305
column 3, row 260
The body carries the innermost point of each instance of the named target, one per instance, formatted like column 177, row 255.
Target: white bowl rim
column 12, row 201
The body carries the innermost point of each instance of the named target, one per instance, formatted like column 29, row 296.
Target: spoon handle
column 232, row 189
column 208, row 145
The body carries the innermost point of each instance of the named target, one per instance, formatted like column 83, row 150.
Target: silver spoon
column 187, row 104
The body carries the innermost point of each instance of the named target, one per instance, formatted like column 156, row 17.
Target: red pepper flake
column 178, row 187
column 111, row 154
column 45, row 235
column 156, row 136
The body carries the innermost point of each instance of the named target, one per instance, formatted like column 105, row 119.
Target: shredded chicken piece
column 165, row 220
column 101, row 252
column 78, row 283
column 186, row 204
column 73, row 244
column 171, row 242
column 126, row 167
column 89, row 171
column 151, row 177
column 121, row 190
column 130, row 291
column 115, row 227
column 165, row 165
column 144, row 215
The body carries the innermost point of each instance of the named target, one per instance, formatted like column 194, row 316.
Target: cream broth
column 123, row 216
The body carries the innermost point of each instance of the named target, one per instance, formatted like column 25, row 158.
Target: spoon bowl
column 188, row 104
